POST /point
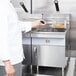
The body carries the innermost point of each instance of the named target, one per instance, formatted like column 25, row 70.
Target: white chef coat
column 10, row 34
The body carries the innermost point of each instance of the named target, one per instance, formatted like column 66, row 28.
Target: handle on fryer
column 56, row 5
column 23, row 6
column 35, row 51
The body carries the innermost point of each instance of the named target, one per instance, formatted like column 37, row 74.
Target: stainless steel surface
column 27, row 54
column 48, row 47
column 49, row 34
column 53, row 56
column 27, row 50
column 46, row 34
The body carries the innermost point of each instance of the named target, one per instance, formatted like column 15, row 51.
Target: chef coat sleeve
column 25, row 26
column 4, row 48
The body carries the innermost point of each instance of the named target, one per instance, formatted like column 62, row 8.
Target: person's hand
column 9, row 69
column 38, row 23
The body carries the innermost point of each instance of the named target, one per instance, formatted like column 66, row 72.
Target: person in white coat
column 11, row 51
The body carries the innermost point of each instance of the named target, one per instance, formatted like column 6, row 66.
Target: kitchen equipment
column 48, row 47
column 56, row 5
column 23, row 6
column 42, row 22
column 58, row 27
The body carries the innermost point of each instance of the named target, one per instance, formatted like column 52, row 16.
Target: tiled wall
column 69, row 6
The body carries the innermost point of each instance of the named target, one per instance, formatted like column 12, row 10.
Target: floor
column 70, row 70
column 50, row 71
column 75, row 70
column 72, row 53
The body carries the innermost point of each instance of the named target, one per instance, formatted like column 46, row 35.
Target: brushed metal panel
column 51, row 56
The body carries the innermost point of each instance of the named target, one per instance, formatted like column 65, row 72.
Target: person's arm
column 27, row 26
column 9, row 69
